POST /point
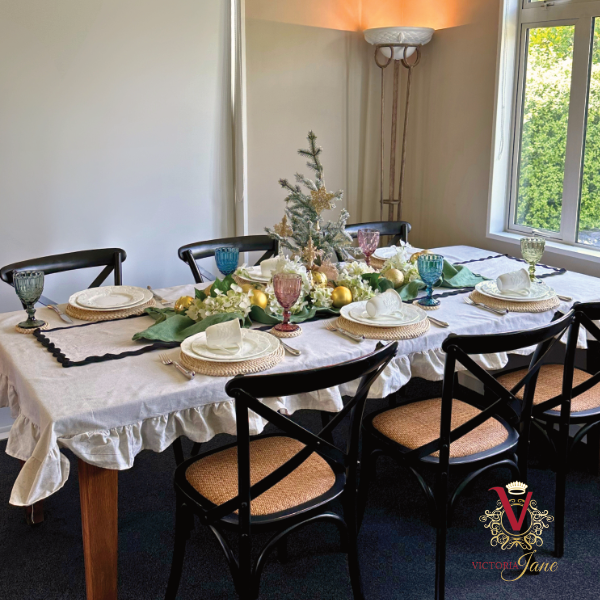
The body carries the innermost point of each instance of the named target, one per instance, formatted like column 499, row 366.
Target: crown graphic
column 516, row 488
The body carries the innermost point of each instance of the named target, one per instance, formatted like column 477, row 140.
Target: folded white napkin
column 388, row 303
column 515, row 282
column 226, row 337
column 268, row 266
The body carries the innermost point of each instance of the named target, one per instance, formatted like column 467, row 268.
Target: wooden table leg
column 98, row 492
column 34, row 514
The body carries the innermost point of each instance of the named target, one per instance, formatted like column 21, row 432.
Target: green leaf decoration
column 176, row 328
column 200, row 295
column 223, row 286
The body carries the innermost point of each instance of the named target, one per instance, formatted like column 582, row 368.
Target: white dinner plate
column 538, row 291
column 110, row 297
column 255, row 274
column 357, row 313
column 390, row 251
column 254, row 345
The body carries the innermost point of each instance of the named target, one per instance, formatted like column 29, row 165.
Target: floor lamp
column 397, row 45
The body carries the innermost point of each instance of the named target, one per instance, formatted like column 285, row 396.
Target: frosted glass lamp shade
column 399, row 35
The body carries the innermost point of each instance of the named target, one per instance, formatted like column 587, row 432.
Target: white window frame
column 517, row 17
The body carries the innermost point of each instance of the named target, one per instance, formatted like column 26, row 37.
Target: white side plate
column 113, row 297
column 357, row 313
column 254, row 345
column 538, row 291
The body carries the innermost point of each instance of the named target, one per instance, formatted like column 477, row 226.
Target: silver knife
column 159, row 298
column 60, row 313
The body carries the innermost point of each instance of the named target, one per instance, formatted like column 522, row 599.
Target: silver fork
column 438, row 322
column 167, row 361
column 157, row 297
column 498, row 311
column 352, row 336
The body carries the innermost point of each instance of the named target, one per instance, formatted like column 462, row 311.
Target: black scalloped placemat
column 66, row 362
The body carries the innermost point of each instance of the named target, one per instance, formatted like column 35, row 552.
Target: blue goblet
column 430, row 270
column 227, row 259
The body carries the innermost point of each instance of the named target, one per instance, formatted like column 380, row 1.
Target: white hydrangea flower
column 401, row 261
column 321, row 297
column 235, row 300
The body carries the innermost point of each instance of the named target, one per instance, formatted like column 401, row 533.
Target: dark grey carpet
column 396, row 541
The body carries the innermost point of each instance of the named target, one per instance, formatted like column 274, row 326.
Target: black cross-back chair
column 488, row 431
column 109, row 258
column 250, row 243
column 566, row 395
column 397, row 230
column 304, row 473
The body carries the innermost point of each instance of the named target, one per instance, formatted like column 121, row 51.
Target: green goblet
column 29, row 286
column 532, row 249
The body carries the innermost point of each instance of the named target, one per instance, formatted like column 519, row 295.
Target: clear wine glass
column 430, row 270
column 227, row 260
column 29, row 286
column 532, row 249
column 368, row 240
column 287, row 288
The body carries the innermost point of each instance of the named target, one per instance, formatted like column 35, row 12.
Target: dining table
column 107, row 412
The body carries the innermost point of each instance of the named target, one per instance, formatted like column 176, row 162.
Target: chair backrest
column 585, row 315
column 249, row 243
column 459, row 348
column 246, row 390
column 110, row 258
column 398, row 230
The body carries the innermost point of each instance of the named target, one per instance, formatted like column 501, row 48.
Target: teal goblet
column 29, row 286
column 430, row 270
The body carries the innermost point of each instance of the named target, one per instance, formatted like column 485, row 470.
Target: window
column 554, row 185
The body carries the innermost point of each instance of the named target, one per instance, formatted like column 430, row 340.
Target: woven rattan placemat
column 407, row 332
column 231, row 369
column 106, row 315
column 523, row 307
column 30, row 331
column 286, row 334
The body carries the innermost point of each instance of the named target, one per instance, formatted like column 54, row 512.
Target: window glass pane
column 544, row 134
column 589, row 211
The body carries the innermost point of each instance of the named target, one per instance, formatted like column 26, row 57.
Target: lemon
column 259, row 298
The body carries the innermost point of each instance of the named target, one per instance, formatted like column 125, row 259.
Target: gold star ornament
column 322, row 200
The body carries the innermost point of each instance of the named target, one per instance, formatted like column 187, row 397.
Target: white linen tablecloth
column 106, row 413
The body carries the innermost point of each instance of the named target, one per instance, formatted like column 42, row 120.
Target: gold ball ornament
column 183, row 304
column 319, row 278
column 415, row 256
column 395, row 276
column 259, row 298
column 247, row 287
column 341, row 296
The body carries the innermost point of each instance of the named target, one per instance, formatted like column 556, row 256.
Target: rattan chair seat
column 549, row 385
column 216, row 478
column 418, row 423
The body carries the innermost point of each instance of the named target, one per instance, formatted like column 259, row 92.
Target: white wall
column 114, row 131
column 308, row 67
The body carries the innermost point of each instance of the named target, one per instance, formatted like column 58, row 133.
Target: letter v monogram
column 508, row 509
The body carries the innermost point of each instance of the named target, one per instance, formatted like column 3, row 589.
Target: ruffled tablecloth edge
column 46, row 469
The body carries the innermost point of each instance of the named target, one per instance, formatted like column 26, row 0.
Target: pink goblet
column 368, row 240
column 287, row 288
